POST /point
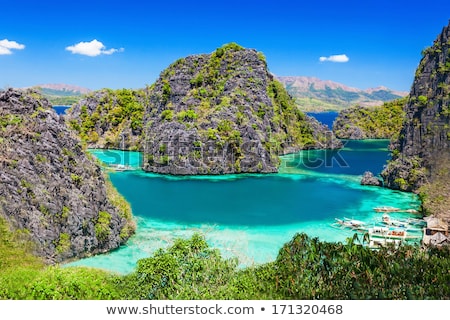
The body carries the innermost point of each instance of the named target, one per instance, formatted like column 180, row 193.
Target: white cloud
column 7, row 46
column 335, row 58
column 91, row 49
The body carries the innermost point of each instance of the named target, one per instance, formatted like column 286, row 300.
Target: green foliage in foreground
column 25, row 276
column 305, row 268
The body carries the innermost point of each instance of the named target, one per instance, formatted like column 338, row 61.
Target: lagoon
column 250, row 216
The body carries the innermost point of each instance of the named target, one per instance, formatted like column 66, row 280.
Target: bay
column 250, row 216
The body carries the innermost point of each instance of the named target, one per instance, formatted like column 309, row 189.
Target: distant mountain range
column 62, row 89
column 313, row 94
column 62, row 94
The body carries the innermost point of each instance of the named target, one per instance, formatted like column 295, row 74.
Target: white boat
column 384, row 232
column 387, row 233
column 351, row 223
column 409, row 224
column 120, row 167
column 386, row 209
column 386, row 219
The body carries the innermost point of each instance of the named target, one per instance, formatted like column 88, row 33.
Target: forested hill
column 381, row 122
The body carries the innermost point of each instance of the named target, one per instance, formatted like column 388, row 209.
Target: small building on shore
column 436, row 232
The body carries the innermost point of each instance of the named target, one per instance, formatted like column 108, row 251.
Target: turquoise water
column 129, row 158
column 251, row 216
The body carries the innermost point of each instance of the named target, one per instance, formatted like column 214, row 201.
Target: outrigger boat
column 386, row 209
column 120, row 167
column 394, row 209
column 387, row 233
column 410, row 224
column 351, row 223
column 386, row 219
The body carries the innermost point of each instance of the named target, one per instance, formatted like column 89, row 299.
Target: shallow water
column 251, row 216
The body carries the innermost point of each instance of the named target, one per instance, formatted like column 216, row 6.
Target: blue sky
column 359, row 43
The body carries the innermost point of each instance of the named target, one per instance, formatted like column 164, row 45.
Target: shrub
column 102, row 228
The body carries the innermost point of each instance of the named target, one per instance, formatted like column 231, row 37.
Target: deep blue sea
column 61, row 109
column 326, row 118
column 251, row 216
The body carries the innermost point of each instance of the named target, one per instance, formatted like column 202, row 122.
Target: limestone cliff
column 109, row 118
column 224, row 113
column 424, row 140
column 49, row 187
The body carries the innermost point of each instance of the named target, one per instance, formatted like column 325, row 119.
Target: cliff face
column 49, row 187
column 224, row 113
column 424, row 140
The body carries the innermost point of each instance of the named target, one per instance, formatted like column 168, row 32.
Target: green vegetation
column 309, row 104
column 102, row 229
column 289, row 117
column 124, row 208
column 383, row 122
column 23, row 276
column 76, row 179
column 305, row 268
column 62, row 101
column 114, row 112
column 9, row 120
column 434, row 195
column 63, row 244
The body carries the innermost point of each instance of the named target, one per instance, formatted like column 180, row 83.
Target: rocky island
column 215, row 113
column 224, row 113
column 50, row 188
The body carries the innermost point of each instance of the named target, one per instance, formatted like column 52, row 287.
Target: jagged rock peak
column 224, row 113
column 425, row 136
column 49, row 187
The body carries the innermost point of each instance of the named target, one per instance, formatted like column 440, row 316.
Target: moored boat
column 351, row 223
column 409, row 224
column 386, row 209
column 387, row 233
